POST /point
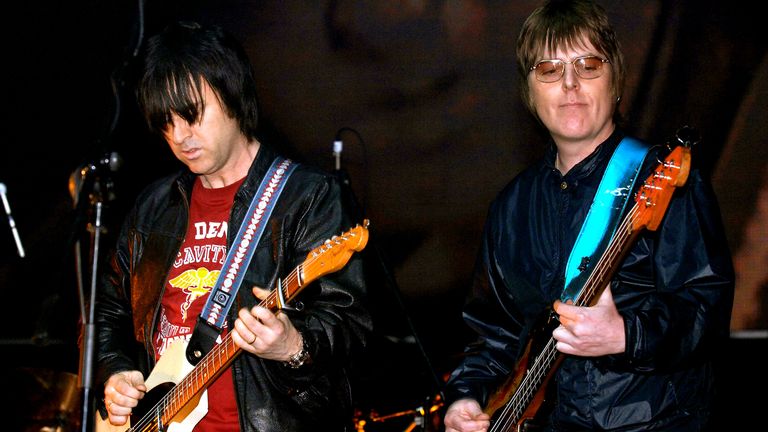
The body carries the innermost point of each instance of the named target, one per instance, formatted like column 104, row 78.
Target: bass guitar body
column 522, row 403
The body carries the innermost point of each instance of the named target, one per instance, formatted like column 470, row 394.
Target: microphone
column 16, row 238
column 105, row 164
column 338, row 146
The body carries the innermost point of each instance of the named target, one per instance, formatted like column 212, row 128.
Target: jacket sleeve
column 497, row 322
column 334, row 319
column 128, row 290
column 681, row 314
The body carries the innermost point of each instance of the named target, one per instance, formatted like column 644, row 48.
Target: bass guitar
column 516, row 404
column 179, row 389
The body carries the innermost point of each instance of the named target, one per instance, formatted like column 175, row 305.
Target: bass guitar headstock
column 653, row 197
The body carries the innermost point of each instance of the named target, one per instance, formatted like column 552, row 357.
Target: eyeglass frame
column 575, row 69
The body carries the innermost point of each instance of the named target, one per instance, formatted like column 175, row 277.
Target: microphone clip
column 97, row 176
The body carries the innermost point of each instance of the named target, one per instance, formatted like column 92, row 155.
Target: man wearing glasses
column 565, row 340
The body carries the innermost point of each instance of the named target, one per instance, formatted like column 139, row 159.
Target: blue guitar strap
column 604, row 215
column 222, row 295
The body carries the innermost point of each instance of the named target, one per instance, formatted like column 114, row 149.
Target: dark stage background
column 425, row 96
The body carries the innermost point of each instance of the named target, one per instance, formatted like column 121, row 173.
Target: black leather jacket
column 334, row 322
column 674, row 290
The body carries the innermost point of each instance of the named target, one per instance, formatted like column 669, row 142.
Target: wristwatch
column 300, row 358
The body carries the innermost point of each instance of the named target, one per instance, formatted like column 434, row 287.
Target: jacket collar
column 591, row 162
column 256, row 172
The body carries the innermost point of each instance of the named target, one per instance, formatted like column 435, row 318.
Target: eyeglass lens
column 552, row 70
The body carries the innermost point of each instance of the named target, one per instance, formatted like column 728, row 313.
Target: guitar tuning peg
column 688, row 136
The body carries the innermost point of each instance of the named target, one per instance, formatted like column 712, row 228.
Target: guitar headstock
column 654, row 195
column 335, row 252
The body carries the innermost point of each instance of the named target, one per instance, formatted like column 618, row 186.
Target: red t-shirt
column 191, row 278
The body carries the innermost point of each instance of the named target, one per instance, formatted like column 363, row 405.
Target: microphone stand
column 348, row 195
column 97, row 199
column 88, row 331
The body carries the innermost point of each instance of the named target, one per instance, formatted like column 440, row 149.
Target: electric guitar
column 516, row 404
column 180, row 407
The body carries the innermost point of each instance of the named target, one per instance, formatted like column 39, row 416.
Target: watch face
column 301, row 357
column 298, row 359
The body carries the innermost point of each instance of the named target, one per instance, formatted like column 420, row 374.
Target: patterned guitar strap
column 607, row 207
column 211, row 320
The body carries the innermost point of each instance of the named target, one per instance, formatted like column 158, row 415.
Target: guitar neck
column 608, row 263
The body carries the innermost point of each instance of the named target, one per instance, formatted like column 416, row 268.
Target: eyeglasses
column 587, row 67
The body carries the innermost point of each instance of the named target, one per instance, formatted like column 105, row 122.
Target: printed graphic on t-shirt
column 169, row 334
column 190, row 281
column 195, row 284
column 196, row 254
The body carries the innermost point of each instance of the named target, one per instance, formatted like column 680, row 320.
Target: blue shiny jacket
column 674, row 290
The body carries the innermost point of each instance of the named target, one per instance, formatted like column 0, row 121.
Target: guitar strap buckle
column 203, row 339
